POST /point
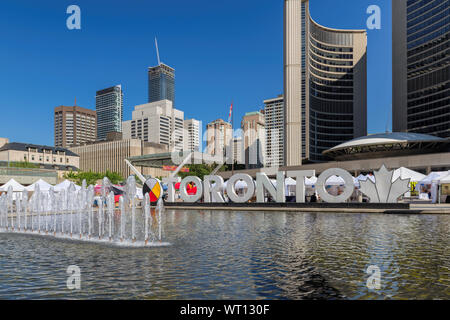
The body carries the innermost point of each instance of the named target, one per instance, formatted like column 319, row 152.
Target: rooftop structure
column 388, row 144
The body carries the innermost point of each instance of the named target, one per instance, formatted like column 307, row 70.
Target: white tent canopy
column 362, row 177
column 239, row 185
column 290, row 182
column 445, row 179
column 64, row 186
column 310, row 181
column 433, row 177
column 405, row 173
column 17, row 187
column 43, row 186
column 335, row 181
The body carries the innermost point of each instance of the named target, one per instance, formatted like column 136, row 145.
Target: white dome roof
column 387, row 138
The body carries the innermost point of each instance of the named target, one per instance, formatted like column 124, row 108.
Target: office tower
column 74, row 126
column 421, row 67
column 157, row 122
column 274, row 120
column 109, row 107
column 218, row 137
column 254, row 135
column 238, row 150
column 192, row 135
column 325, row 85
column 161, row 83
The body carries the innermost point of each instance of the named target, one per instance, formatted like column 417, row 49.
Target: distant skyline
column 221, row 51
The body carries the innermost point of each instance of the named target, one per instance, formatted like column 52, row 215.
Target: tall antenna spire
column 75, row 102
column 157, row 51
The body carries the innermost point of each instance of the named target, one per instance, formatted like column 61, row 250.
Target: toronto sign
column 210, row 190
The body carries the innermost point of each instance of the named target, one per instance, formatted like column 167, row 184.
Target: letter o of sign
column 321, row 185
column 231, row 188
column 183, row 192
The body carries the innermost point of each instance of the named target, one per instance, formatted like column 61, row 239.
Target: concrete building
column 193, row 134
column 109, row 107
column 218, row 137
column 161, row 83
column 44, row 156
column 238, row 150
column 74, row 126
column 419, row 152
column 3, row 141
column 157, row 122
column 420, row 67
column 325, row 85
column 111, row 155
column 51, row 162
column 254, row 135
column 274, row 120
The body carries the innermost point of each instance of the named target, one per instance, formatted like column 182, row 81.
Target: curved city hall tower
column 325, row 85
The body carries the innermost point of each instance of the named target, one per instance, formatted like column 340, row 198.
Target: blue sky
column 222, row 51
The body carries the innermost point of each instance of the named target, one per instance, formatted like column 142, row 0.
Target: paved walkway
column 431, row 208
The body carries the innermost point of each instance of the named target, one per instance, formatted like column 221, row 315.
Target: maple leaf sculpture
column 383, row 190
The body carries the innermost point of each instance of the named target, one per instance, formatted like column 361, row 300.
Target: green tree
column 93, row 177
column 198, row 170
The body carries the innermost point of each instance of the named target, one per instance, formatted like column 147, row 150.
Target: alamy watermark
column 254, row 147
column 374, row 20
column 74, row 20
column 74, row 280
column 374, row 281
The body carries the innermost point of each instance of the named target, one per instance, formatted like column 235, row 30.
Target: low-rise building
column 110, row 156
column 43, row 157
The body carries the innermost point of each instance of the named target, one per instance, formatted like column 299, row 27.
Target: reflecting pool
column 242, row 255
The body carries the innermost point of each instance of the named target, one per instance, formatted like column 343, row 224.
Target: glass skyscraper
column 109, row 107
column 161, row 83
column 421, row 66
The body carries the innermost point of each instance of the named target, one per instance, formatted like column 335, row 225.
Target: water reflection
column 244, row 255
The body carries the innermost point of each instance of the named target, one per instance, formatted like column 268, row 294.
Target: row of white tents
column 431, row 182
column 403, row 173
column 43, row 186
column 438, row 177
column 442, row 177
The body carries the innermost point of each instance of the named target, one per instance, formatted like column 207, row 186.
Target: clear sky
column 222, row 51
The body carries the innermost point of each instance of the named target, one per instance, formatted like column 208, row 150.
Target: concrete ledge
column 309, row 205
column 392, row 208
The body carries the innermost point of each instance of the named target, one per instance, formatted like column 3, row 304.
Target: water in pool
column 242, row 255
